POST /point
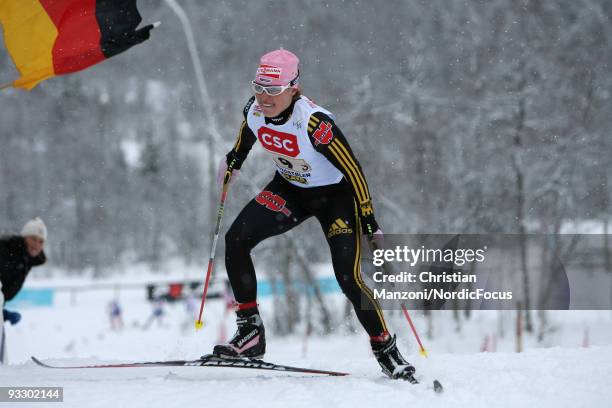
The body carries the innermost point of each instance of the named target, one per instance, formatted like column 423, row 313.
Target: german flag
column 56, row 37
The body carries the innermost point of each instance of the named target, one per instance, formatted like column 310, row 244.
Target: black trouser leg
column 342, row 229
column 272, row 212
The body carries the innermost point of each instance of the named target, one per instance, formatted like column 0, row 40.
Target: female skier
column 317, row 175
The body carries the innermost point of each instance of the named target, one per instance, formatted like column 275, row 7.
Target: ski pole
column 211, row 260
column 422, row 351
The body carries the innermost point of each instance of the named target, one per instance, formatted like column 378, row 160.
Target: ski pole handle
column 227, row 178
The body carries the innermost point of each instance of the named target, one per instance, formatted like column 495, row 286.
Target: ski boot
column 249, row 340
column 391, row 360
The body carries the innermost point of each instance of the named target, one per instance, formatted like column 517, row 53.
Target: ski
column 216, row 361
column 206, row 361
column 437, row 386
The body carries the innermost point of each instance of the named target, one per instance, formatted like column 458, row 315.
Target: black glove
column 12, row 317
column 369, row 225
column 235, row 159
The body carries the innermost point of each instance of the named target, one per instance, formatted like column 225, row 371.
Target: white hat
column 36, row 228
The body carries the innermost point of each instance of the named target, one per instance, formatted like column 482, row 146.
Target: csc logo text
column 278, row 142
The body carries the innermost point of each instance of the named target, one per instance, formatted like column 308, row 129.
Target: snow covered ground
column 558, row 373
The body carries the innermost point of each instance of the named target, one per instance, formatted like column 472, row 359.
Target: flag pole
column 215, row 137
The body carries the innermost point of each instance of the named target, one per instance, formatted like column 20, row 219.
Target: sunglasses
column 272, row 90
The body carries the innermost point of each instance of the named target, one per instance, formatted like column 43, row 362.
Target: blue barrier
column 326, row 285
column 32, row 297
column 28, row 297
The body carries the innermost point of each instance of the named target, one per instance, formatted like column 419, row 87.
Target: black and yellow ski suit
column 303, row 140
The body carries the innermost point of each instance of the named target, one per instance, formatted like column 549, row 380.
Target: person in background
column 157, row 314
column 18, row 255
column 114, row 314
